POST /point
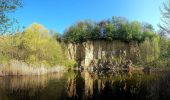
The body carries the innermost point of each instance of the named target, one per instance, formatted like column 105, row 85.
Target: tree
column 135, row 28
column 34, row 46
column 79, row 32
column 165, row 25
column 117, row 28
column 6, row 7
column 40, row 46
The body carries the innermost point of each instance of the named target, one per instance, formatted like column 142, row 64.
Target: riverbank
column 18, row 68
column 21, row 68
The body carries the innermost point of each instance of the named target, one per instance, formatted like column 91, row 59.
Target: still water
column 87, row 86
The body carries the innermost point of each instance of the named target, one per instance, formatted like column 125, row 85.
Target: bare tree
column 6, row 7
column 165, row 19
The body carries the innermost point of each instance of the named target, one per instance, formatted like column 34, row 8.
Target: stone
column 85, row 52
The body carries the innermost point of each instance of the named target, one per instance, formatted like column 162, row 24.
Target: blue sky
column 57, row 15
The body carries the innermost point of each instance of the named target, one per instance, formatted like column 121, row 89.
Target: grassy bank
column 20, row 68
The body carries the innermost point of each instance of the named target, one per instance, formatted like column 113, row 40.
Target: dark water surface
column 87, row 86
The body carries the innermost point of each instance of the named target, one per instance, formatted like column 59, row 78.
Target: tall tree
column 165, row 25
column 6, row 7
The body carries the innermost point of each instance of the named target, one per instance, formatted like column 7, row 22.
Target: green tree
column 95, row 33
column 40, row 46
column 109, row 30
column 117, row 28
column 136, row 31
column 79, row 32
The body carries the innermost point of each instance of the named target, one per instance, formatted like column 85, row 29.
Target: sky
column 58, row 15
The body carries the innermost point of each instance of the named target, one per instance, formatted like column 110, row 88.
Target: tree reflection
column 134, row 86
column 25, row 87
column 87, row 86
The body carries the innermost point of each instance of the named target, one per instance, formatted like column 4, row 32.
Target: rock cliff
column 87, row 52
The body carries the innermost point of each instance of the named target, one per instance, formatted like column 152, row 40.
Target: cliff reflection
column 133, row 86
column 75, row 86
column 87, row 86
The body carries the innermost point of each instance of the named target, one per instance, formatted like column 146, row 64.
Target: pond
column 75, row 85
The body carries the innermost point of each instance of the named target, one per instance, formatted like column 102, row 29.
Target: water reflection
column 87, row 86
column 75, row 86
column 131, row 86
column 25, row 87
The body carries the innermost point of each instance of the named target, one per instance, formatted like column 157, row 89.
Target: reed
column 21, row 68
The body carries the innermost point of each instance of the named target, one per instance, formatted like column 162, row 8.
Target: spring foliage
column 34, row 46
column 116, row 28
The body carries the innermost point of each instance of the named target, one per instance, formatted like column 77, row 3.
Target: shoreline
column 15, row 67
column 32, row 72
column 65, row 70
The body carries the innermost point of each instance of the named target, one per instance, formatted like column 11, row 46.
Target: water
column 87, row 86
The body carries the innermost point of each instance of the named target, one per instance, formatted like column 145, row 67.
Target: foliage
column 70, row 63
column 150, row 50
column 34, row 46
column 116, row 28
column 7, row 6
column 165, row 48
column 164, row 58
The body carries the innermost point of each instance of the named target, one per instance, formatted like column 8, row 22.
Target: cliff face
column 85, row 53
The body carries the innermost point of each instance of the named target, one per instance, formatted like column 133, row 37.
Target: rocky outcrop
column 90, row 52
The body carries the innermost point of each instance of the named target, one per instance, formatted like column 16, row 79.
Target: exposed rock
column 90, row 53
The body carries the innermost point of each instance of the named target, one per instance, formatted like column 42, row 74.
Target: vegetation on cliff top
column 117, row 28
